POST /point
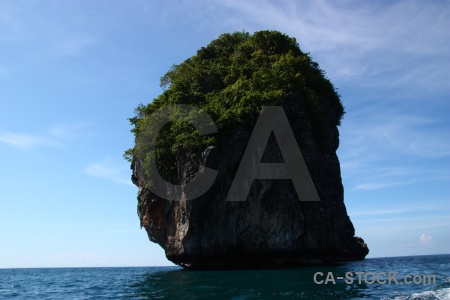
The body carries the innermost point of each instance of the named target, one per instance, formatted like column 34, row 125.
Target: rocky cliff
column 272, row 228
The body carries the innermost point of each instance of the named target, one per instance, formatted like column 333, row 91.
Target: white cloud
column 377, row 178
column 25, row 141
column 73, row 45
column 395, row 132
column 358, row 41
column 425, row 239
column 53, row 137
column 68, row 131
column 393, row 148
column 51, row 34
column 111, row 170
column 378, row 185
column 428, row 206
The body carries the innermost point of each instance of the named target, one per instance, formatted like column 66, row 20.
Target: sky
column 72, row 72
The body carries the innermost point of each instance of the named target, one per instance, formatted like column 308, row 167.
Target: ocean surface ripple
column 175, row 283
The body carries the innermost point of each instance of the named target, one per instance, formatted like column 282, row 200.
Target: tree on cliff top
column 231, row 79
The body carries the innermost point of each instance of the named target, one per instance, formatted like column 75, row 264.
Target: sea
column 408, row 277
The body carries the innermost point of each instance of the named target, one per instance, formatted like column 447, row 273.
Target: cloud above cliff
column 369, row 43
column 380, row 149
column 110, row 169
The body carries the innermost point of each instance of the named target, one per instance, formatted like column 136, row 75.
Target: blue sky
column 71, row 73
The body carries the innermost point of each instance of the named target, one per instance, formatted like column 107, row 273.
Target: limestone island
column 186, row 159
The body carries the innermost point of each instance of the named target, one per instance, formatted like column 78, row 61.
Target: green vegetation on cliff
column 231, row 79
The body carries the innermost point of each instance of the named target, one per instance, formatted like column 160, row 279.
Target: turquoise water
column 175, row 283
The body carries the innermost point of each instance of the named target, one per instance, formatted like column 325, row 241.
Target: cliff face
column 272, row 228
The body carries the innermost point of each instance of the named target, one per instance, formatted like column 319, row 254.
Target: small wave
column 440, row 294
